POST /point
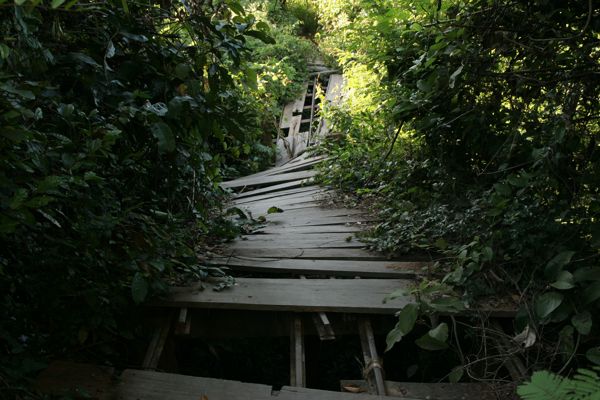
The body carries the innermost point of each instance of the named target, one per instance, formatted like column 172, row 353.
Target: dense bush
column 117, row 122
column 480, row 143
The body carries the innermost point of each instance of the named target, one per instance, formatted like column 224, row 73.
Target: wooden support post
column 157, row 344
column 322, row 324
column 373, row 365
column 184, row 322
column 297, row 362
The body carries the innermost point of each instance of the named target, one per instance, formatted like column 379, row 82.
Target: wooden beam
column 435, row 391
column 373, row 364
column 157, row 344
column 297, row 360
column 314, row 295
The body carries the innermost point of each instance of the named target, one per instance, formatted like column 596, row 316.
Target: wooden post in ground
column 373, row 369
column 297, row 362
column 157, row 344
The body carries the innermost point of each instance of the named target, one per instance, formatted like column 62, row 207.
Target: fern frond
column 544, row 385
column 586, row 385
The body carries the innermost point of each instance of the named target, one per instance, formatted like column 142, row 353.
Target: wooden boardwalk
column 304, row 259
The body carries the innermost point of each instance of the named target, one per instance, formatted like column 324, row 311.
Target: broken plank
column 274, row 188
column 150, row 385
column 367, row 269
column 333, row 295
column 284, row 194
column 429, row 391
column 157, row 344
column 268, row 180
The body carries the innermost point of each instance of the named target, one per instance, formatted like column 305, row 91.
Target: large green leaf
column 546, row 303
column 435, row 339
column 406, row 321
column 557, row 263
column 166, row 139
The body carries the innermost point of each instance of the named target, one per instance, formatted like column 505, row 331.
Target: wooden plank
column 284, row 194
column 311, row 230
column 430, row 391
column 373, row 364
column 303, row 164
column 299, row 253
column 274, row 188
column 262, row 209
column 297, row 361
column 157, row 344
column 268, row 180
column 323, row 326
column 76, row 380
column 335, row 89
column 283, row 242
column 296, row 393
column 370, row 269
column 150, row 385
column 333, row 295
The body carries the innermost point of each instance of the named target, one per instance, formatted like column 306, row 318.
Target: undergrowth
column 473, row 127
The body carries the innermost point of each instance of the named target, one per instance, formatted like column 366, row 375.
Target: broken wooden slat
column 289, row 194
column 373, row 364
column 184, row 322
column 339, row 295
column 323, row 326
column 370, row 269
column 157, row 344
column 269, row 179
column 297, row 361
column 430, row 391
column 274, row 188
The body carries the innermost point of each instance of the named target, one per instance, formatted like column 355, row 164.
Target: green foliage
column 118, row 121
column 544, row 385
column 474, row 127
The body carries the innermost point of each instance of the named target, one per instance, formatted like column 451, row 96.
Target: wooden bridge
column 304, row 262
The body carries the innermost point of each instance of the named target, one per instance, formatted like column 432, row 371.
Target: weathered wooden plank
column 262, row 209
column 332, row 295
column 310, row 230
column 269, row 179
column 429, row 391
column 300, row 253
column 284, row 194
column 157, row 344
column 297, row 360
column 149, row 385
column 296, row 393
column 335, row 89
column 368, row 269
column 290, row 242
column 76, row 380
column 373, row 365
column 304, row 164
column 275, row 188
